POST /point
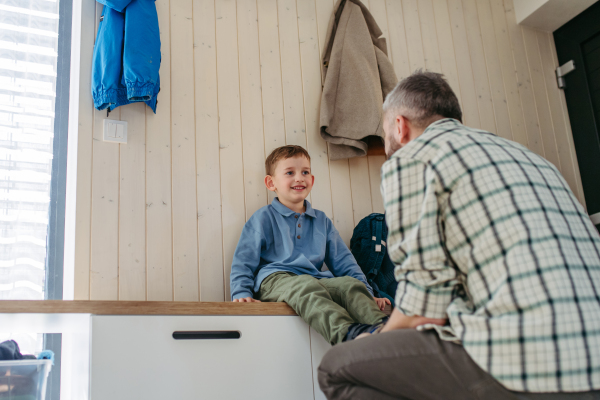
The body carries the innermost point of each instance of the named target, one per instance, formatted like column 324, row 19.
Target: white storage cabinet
column 136, row 357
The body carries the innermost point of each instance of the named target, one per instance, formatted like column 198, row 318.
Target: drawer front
column 136, row 357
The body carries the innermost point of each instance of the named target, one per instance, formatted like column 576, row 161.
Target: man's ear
column 269, row 183
column 404, row 129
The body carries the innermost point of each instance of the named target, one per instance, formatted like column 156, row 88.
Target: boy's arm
column 246, row 260
column 340, row 260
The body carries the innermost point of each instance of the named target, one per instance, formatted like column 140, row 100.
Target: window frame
column 55, row 240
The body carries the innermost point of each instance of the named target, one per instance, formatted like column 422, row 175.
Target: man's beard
column 393, row 146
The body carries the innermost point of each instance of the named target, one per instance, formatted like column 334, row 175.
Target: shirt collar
column 447, row 124
column 286, row 212
column 441, row 122
column 423, row 137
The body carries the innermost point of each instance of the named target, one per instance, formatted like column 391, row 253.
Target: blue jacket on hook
column 126, row 54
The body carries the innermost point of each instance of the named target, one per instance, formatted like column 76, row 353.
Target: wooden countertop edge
column 145, row 307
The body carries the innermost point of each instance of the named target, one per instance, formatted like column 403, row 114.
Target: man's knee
column 339, row 367
column 332, row 361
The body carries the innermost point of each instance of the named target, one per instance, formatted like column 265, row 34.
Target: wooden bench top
column 145, row 307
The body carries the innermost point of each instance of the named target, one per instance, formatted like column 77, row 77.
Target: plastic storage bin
column 24, row 379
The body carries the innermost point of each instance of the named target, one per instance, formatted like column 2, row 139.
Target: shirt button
column 295, row 216
column 298, row 236
column 299, row 225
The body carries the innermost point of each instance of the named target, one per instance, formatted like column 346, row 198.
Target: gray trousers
column 408, row 364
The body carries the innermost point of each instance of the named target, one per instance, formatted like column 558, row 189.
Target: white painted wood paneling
column 513, row 100
column 85, row 125
column 251, row 107
column 310, row 58
column 480, row 72
column 208, row 175
column 521, row 67
column 230, row 132
column 159, row 246
column 270, row 70
column 183, row 153
column 132, row 205
column 240, row 78
column 463, row 61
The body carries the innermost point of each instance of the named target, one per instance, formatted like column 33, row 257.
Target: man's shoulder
column 447, row 138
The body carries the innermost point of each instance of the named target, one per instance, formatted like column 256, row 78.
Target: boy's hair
column 283, row 153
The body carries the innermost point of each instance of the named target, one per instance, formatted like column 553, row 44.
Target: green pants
column 330, row 306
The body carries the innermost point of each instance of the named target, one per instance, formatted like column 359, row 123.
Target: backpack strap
column 378, row 233
column 377, row 254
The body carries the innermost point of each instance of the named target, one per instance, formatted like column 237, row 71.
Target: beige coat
column 357, row 76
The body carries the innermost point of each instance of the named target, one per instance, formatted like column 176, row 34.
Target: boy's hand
column 381, row 302
column 246, row 300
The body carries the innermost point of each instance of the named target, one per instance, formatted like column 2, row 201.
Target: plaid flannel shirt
column 488, row 234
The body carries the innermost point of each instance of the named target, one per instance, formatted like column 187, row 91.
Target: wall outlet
column 115, row 131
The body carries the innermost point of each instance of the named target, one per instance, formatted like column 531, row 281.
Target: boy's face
column 292, row 180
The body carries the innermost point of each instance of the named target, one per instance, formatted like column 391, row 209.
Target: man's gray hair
column 422, row 98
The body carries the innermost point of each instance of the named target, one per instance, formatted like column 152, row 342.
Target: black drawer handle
column 194, row 335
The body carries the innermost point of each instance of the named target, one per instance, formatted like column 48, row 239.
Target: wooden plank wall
column 159, row 217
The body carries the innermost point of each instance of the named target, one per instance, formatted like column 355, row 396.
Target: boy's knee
column 350, row 282
column 307, row 282
column 307, row 279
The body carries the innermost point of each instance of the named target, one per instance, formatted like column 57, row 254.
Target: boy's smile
column 292, row 181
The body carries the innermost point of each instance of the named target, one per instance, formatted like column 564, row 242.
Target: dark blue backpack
column 370, row 250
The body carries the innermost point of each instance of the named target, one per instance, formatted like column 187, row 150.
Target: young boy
column 283, row 247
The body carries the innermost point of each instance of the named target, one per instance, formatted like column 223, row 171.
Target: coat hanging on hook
column 357, row 75
column 126, row 55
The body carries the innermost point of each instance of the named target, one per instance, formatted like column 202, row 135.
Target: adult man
column 498, row 268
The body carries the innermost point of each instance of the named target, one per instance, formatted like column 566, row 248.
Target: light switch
column 115, row 131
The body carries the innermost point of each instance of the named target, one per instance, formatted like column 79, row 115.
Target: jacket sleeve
column 340, row 260
column 246, row 261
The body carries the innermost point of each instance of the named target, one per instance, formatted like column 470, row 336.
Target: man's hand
column 246, row 300
column 400, row 321
column 382, row 302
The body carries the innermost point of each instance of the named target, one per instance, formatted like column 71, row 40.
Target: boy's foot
column 357, row 330
column 362, row 335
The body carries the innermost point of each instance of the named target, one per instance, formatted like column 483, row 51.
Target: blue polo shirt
column 278, row 239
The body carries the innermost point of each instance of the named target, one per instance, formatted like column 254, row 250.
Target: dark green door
column 579, row 40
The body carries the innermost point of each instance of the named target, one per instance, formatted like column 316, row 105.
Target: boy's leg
column 353, row 295
column 310, row 300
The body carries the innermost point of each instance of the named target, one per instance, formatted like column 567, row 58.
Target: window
column 32, row 75
column 35, row 47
